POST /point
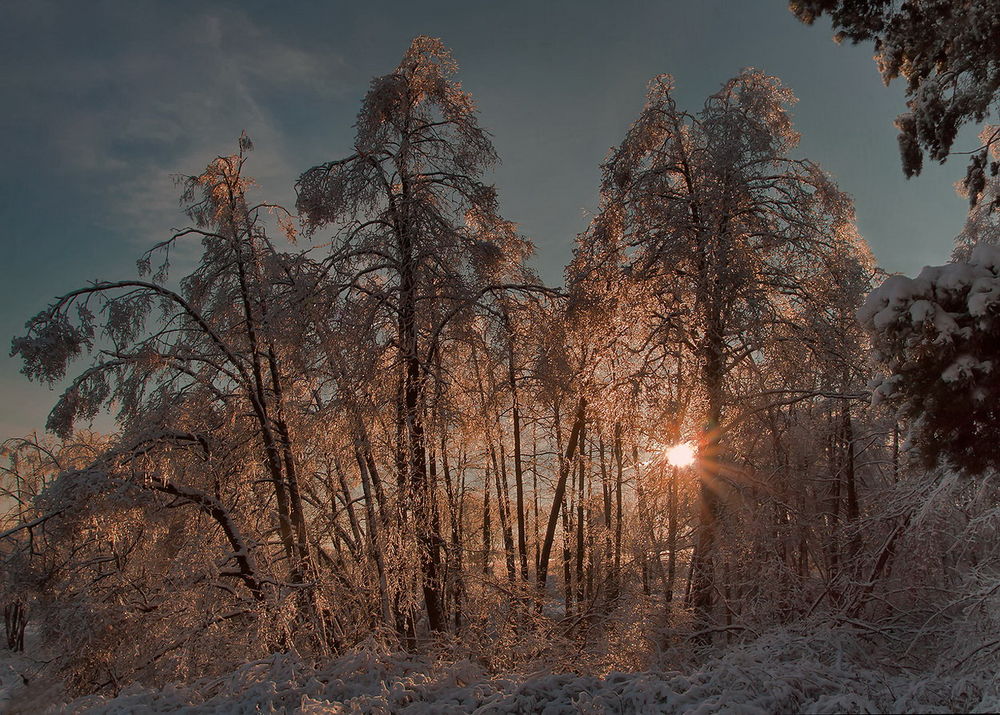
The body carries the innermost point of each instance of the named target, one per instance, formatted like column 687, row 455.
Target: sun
column 681, row 455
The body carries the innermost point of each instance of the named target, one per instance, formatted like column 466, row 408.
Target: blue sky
column 105, row 101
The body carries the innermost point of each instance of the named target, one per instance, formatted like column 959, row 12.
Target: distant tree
column 32, row 464
column 949, row 54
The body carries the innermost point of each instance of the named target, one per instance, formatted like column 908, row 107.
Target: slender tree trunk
column 15, row 617
column 853, row 509
column 487, row 527
column 435, row 534
column 345, row 496
column 306, row 567
column 503, row 511
column 895, row 451
column 619, row 516
column 454, row 552
column 644, row 545
column 522, row 547
column 591, row 550
column 671, row 534
column 567, row 557
column 560, row 492
column 580, row 508
column 418, row 484
column 258, row 395
column 607, row 558
column 291, row 470
column 534, row 494
column 835, row 499
column 374, row 535
column 649, row 507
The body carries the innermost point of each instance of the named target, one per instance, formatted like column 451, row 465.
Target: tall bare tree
column 708, row 214
column 416, row 226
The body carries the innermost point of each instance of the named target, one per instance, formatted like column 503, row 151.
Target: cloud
column 169, row 93
column 104, row 103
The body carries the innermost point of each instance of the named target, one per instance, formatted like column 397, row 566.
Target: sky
column 105, row 102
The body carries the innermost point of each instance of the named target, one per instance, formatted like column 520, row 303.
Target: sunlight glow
column 681, row 455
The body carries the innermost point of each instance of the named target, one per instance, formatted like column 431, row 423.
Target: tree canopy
column 369, row 427
column 949, row 55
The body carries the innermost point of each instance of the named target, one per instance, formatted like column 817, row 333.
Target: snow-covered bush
column 125, row 584
column 823, row 671
column 938, row 339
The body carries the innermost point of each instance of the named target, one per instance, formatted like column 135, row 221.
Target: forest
column 366, row 460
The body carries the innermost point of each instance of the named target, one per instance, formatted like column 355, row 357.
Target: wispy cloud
column 164, row 100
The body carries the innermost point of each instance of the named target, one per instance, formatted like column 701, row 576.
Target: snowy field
column 829, row 672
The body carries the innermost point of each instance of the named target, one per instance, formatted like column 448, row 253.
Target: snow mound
column 826, row 672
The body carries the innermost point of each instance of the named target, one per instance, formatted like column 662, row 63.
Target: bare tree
column 708, row 213
column 417, row 227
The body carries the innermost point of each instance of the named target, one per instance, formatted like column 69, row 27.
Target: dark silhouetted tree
column 949, row 54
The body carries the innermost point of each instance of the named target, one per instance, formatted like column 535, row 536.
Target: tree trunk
column 606, row 564
column 560, row 493
column 522, row 544
column 15, row 618
column 454, row 553
column 503, row 511
column 374, row 540
column 671, row 534
column 619, row 479
column 702, row 566
column 853, row 509
column 487, row 528
column 418, row 485
column 581, row 497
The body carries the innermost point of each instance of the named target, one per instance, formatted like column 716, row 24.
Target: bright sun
column 681, row 455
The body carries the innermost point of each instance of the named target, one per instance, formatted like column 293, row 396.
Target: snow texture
column 917, row 302
column 826, row 671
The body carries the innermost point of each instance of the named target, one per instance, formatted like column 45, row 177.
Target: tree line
column 369, row 418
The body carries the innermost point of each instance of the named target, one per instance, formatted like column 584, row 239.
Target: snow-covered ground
column 822, row 672
column 15, row 669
